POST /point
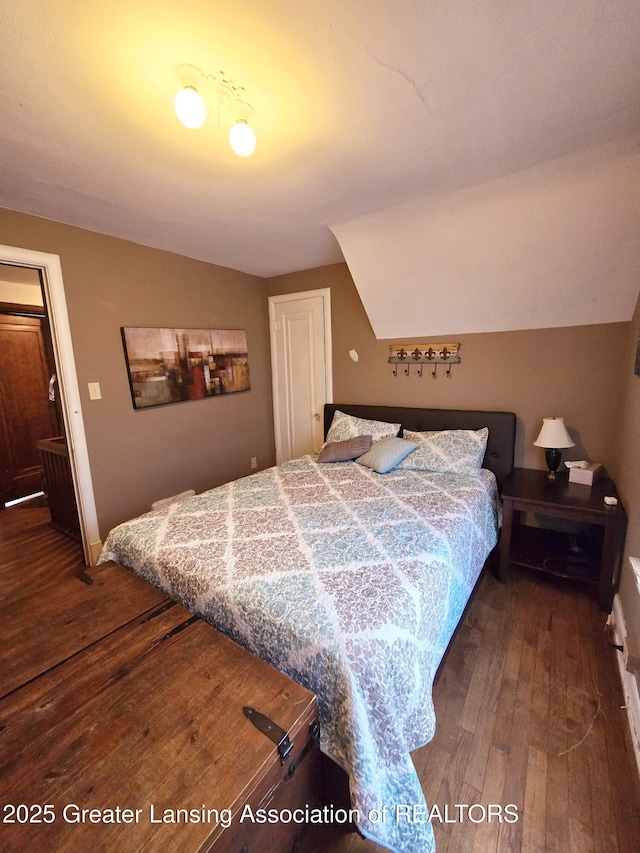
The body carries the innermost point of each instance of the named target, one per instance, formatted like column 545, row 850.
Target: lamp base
column 553, row 458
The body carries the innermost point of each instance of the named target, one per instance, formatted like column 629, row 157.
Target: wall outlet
column 254, row 462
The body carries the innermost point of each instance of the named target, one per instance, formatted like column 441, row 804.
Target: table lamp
column 553, row 436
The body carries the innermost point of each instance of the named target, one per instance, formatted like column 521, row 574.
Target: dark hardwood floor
column 529, row 712
column 528, row 704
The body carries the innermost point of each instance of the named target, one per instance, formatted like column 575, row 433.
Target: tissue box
column 586, row 476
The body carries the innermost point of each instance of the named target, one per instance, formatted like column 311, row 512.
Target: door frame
column 325, row 294
column 56, row 305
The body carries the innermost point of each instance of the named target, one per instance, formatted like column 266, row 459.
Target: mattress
column 349, row 581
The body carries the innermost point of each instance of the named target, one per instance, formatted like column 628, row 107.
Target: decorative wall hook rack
column 421, row 354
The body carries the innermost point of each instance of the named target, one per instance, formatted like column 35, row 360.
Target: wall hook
column 416, row 355
column 421, row 354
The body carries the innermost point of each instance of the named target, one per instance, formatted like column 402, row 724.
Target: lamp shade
column 554, row 434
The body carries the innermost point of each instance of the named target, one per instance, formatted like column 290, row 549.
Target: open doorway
column 29, row 404
column 50, row 272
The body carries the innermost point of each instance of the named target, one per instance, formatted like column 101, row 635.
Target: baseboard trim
column 94, row 552
column 629, row 681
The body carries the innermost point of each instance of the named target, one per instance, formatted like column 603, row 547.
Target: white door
column 301, row 370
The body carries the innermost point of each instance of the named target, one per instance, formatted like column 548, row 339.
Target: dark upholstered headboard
column 502, row 427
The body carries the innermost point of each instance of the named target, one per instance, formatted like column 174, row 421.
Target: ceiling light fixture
column 225, row 97
column 190, row 107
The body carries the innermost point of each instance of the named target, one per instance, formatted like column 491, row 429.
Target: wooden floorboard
column 528, row 703
column 39, row 566
column 529, row 711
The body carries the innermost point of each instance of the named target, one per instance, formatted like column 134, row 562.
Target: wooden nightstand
column 597, row 562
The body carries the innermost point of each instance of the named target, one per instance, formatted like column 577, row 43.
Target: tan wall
column 137, row 457
column 629, row 477
column 578, row 373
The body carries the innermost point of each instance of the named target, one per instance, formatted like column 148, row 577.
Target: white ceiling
column 374, row 119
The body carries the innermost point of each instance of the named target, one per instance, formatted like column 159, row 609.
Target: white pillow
column 449, row 451
column 345, row 426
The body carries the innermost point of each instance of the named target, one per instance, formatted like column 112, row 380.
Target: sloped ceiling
column 556, row 245
column 476, row 163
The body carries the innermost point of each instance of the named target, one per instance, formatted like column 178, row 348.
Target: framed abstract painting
column 174, row 365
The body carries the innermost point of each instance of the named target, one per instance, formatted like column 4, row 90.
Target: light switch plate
column 94, row 391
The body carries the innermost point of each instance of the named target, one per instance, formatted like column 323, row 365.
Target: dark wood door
column 26, row 414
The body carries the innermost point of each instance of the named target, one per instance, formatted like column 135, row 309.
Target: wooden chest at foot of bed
column 140, row 742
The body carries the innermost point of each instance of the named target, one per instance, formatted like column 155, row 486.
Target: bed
column 349, row 580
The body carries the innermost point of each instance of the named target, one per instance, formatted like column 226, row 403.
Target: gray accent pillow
column 343, row 451
column 345, row 426
column 386, row 453
column 448, row 451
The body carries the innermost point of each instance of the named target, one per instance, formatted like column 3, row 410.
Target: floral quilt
column 350, row 582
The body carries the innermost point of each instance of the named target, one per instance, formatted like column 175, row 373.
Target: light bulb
column 190, row 108
column 242, row 139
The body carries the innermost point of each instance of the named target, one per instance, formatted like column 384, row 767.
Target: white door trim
column 325, row 294
column 68, row 385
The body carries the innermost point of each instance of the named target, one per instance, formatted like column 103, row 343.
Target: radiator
column 629, row 643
